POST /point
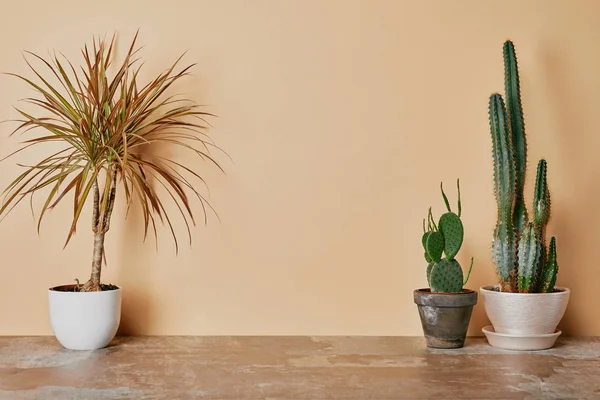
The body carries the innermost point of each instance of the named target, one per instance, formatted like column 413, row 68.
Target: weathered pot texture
column 445, row 317
column 524, row 313
column 84, row 320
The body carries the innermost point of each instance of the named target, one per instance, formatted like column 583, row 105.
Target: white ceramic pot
column 84, row 320
column 524, row 313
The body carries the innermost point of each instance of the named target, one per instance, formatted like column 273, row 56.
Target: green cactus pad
column 427, row 258
column 446, row 276
column 452, row 228
column 429, row 268
column 424, row 239
column 435, row 246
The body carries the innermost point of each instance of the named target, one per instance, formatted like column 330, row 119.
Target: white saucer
column 509, row 341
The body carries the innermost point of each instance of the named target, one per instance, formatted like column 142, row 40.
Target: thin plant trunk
column 100, row 225
column 97, row 259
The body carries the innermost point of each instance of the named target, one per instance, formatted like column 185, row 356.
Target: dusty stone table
column 295, row 368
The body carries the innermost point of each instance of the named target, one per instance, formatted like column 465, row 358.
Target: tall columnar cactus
column 504, row 186
column 444, row 238
column 519, row 246
column 512, row 88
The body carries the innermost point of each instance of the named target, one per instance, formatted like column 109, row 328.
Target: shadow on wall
column 136, row 309
column 580, row 186
column 134, row 271
column 137, row 261
column 480, row 276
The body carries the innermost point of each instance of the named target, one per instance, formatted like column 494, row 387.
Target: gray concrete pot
column 445, row 316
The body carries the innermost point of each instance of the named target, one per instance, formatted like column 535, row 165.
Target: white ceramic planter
column 524, row 313
column 85, row 321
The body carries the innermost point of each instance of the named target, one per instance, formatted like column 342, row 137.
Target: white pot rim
column 489, row 289
column 101, row 293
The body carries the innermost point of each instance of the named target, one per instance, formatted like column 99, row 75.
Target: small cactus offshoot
column 444, row 238
column 519, row 247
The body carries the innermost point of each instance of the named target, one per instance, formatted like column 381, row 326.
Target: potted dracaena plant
column 525, row 306
column 445, row 307
column 106, row 126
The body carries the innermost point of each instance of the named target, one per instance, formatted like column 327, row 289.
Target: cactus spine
column 445, row 238
column 519, row 246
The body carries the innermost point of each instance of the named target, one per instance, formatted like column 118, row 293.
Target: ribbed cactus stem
column 514, row 107
column 541, row 216
column 551, row 269
column 541, row 197
column 530, row 257
column 504, row 246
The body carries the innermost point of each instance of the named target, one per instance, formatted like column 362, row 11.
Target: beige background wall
column 342, row 117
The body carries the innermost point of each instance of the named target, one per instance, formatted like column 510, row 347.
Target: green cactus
column 541, row 216
column 429, row 268
column 541, row 197
column 452, row 230
column 435, row 246
column 445, row 238
column 551, row 269
column 530, row 257
column 504, row 247
column 424, row 237
column 446, row 276
column 469, row 273
column 512, row 88
column 451, row 226
column 424, row 241
column 519, row 246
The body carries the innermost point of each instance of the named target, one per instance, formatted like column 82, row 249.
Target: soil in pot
column 445, row 317
column 73, row 288
column 497, row 289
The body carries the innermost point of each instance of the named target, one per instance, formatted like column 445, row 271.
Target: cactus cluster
column 523, row 263
column 444, row 239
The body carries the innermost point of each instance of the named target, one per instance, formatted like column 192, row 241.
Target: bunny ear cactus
column 446, row 276
column 519, row 246
column 444, row 238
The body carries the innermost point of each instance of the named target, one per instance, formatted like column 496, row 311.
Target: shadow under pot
column 445, row 317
